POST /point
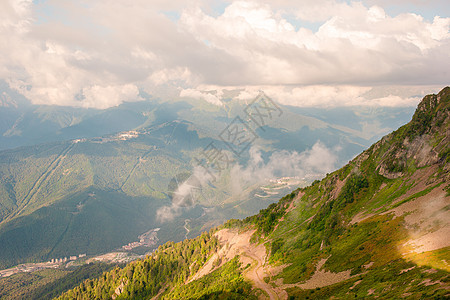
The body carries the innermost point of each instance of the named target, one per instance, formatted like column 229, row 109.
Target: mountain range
column 76, row 180
column 376, row 228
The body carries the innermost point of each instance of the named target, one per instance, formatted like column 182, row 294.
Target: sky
column 306, row 53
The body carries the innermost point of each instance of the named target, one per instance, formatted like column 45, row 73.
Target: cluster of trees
column 23, row 285
column 224, row 283
column 354, row 184
column 72, row 279
column 328, row 215
column 169, row 266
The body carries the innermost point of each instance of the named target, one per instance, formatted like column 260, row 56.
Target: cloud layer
column 314, row 162
column 101, row 53
column 317, row 160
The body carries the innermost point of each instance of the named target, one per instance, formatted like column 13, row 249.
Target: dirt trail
column 157, row 296
column 186, row 223
column 234, row 243
column 255, row 255
column 256, row 274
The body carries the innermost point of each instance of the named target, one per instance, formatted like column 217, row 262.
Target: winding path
column 256, row 275
column 239, row 244
column 186, row 223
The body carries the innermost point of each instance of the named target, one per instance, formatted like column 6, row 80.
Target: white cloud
column 314, row 162
column 208, row 97
column 103, row 97
column 58, row 51
column 318, row 95
column 392, row 100
column 361, row 45
column 317, row 160
column 186, row 195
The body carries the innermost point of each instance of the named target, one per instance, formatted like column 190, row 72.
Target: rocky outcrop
column 422, row 142
column 119, row 289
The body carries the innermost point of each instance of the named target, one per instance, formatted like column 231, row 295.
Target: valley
column 128, row 177
column 241, row 149
column 372, row 229
column 85, row 190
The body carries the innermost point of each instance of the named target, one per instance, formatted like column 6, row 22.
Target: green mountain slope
column 85, row 196
column 377, row 228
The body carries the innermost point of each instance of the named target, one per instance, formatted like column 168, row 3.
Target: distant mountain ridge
column 376, row 228
column 25, row 124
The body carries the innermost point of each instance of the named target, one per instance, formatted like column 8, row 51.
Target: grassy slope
column 45, row 204
column 320, row 225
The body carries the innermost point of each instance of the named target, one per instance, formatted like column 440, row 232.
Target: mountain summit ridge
column 412, row 141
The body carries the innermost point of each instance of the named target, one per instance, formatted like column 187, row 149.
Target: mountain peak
column 422, row 142
column 431, row 113
column 431, row 102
